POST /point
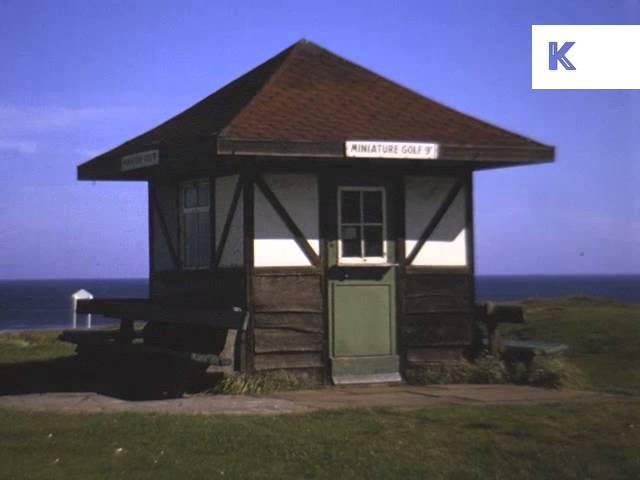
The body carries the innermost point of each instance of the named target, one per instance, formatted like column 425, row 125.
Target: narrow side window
column 196, row 228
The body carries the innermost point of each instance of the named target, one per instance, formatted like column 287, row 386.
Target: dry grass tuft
column 258, row 383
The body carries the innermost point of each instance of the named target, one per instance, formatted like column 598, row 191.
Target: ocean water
column 40, row 304
column 624, row 288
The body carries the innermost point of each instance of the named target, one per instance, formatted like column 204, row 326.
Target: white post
column 74, row 317
column 79, row 295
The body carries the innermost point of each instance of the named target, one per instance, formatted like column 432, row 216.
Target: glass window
column 372, row 206
column 350, row 209
column 195, row 221
column 362, row 224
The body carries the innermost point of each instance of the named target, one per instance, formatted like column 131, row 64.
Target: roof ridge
column 289, row 51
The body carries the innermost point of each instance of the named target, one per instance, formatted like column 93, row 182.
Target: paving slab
column 405, row 396
column 90, row 402
column 331, row 398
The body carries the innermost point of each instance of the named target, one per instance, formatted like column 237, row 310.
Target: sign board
column 139, row 160
column 374, row 149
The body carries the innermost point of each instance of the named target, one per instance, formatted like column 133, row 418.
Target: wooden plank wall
column 435, row 323
column 288, row 320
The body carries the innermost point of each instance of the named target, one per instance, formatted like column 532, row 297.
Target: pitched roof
column 307, row 95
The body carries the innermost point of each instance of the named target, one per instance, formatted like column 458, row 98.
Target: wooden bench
column 184, row 335
column 88, row 341
column 492, row 315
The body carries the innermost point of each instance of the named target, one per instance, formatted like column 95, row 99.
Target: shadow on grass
column 130, row 380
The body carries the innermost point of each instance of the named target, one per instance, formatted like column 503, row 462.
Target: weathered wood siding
column 438, row 311
column 288, row 324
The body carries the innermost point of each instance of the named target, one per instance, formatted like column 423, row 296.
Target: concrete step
column 373, row 378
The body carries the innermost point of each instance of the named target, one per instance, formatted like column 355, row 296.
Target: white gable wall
column 447, row 246
column 274, row 246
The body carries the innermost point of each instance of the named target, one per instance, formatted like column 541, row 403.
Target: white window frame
column 363, row 260
column 184, row 210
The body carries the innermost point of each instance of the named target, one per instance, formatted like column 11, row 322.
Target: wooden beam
column 433, row 224
column 150, row 223
column 248, row 206
column 165, row 229
column 470, row 237
column 399, row 207
column 212, row 222
column 298, row 236
column 228, row 221
column 169, row 312
column 324, row 193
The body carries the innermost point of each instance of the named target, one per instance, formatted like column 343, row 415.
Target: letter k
column 556, row 56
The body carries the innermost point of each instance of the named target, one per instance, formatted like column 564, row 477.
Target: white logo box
column 606, row 57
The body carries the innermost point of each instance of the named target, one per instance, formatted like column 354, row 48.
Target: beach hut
column 320, row 212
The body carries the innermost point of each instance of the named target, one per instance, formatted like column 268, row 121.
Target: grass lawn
column 19, row 347
column 590, row 440
column 603, row 336
column 543, row 442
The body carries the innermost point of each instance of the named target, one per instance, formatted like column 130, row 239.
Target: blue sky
column 80, row 77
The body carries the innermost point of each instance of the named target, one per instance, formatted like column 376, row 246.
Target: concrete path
column 397, row 396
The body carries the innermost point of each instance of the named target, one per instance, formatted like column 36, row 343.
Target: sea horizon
column 19, row 279
column 44, row 303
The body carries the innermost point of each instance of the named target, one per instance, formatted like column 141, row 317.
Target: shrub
column 485, row 370
column 555, row 372
column 548, row 372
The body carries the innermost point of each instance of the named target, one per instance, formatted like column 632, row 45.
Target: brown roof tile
column 318, row 96
column 308, row 94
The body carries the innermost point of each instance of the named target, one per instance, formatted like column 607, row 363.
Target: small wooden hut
column 333, row 206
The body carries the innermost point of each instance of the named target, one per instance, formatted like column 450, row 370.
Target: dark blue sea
column 40, row 304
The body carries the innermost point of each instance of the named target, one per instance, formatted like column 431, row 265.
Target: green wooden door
column 363, row 319
column 362, row 287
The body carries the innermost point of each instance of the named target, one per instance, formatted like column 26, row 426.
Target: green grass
column 603, row 337
column 17, row 347
column 596, row 441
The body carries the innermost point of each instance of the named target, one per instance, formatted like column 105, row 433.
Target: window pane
column 190, row 197
column 351, row 242
column 373, row 241
column 350, row 203
column 203, row 194
column 372, row 206
column 203, row 239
